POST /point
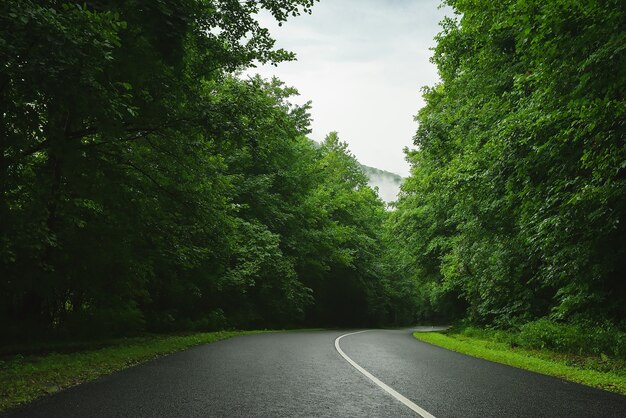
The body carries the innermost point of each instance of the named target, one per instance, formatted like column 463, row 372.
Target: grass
column 596, row 371
column 24, row 378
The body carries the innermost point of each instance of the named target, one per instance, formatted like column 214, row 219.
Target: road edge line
column 408, row 403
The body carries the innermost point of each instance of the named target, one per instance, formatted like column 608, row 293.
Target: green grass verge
column 575, row 368
column 25, row 378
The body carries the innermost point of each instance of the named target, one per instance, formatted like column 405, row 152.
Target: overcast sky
column 362, row 64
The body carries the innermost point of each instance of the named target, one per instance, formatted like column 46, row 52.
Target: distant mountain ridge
column 388, row 183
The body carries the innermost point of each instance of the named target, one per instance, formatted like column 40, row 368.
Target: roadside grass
column 597, row 371
column 24, row 378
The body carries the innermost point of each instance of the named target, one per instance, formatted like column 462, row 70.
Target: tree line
column 515, row 208
column 147, row 185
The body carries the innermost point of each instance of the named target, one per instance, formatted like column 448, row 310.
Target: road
column 303, row 374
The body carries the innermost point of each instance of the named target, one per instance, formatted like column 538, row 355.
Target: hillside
column 388, row 183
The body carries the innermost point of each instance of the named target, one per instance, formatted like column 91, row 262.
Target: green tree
column 517, row 197
column 111, row 180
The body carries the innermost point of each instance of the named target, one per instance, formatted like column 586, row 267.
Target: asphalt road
column 303, row 374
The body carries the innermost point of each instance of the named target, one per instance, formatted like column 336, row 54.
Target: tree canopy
column 515, row 206
column 147, row 186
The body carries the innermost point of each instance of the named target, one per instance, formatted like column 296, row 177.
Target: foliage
column 145, row 185
column 516, row 205
column 581, row 339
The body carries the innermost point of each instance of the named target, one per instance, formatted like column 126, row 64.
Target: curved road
column 303, row 374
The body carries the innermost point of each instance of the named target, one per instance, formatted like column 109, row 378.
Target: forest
column 515, row 209
column 146, row 185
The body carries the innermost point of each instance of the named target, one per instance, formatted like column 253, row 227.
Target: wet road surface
column 294, row 374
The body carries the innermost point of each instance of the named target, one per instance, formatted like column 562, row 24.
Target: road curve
column 303, row 374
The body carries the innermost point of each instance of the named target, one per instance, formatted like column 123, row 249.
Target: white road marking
column 380, row 384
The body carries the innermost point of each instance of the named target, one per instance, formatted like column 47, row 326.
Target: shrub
column 581, row 338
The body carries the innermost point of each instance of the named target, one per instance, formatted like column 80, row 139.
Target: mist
column 388, row 183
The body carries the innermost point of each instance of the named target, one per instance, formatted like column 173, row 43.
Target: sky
column 362, row 63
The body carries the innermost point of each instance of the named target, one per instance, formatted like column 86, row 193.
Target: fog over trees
column 388, row 184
